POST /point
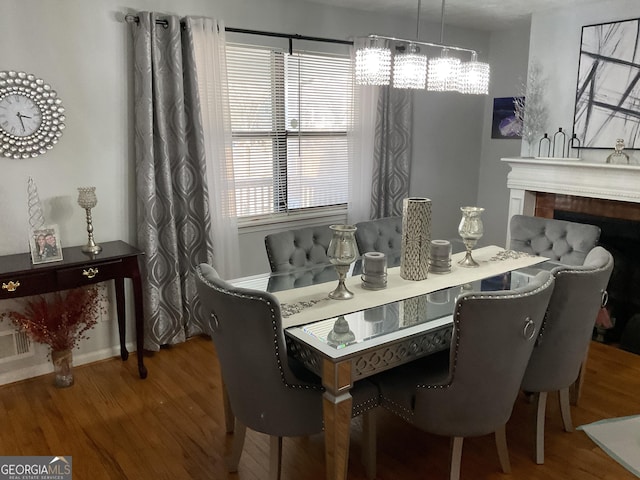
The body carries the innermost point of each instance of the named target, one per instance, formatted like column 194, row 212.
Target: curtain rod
column 291, row 36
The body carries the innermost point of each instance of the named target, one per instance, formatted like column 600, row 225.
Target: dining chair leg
column 369, row 441
column 456, row 458
column 237, row 446
column 565, row 409
column 503, row 451
column 228, row 411
column 540, row 414
column 275, row 457
column 576, row 388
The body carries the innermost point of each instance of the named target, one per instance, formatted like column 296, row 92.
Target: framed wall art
column 45, row 245
column 505, row 123
column 608, row 89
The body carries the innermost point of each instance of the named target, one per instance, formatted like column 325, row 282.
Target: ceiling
column 477, row 14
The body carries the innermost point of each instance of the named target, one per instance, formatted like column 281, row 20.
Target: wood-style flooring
column 171, row 426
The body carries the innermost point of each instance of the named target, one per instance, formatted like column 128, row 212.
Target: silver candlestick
column 342, row 252
column 87, row 199
column 471, row 230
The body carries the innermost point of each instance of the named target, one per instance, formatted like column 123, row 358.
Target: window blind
column 289, row 116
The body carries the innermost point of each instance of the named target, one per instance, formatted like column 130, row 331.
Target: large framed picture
column 45, row 245
column 608, row 89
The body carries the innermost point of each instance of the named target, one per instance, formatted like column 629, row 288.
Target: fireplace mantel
column 568, row 177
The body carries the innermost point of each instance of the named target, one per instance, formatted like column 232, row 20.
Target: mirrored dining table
column 343, row 341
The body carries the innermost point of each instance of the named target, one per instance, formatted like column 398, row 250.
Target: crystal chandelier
column 374, row 64
column 410, row 69
column 444, row 73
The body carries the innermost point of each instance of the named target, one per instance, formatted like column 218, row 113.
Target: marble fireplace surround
column 536, row 185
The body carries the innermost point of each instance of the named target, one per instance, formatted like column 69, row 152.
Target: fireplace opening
column 621, row 237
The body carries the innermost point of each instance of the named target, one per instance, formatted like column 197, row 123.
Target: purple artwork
column 505, row 124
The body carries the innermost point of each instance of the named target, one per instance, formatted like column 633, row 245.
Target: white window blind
column 289, row 116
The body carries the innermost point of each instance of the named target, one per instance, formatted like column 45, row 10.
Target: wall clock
column 31, row 115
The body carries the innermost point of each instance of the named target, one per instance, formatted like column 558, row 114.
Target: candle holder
column 87, row 199
column 471, row 230
column 342, row 252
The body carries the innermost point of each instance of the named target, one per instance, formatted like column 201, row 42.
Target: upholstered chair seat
column 470, row 390
column 559, row 240
column 563, row 344
column 300, row 248
column 265, row 389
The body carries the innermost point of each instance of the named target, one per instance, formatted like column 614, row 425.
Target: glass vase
column 471, row 230
column 63, row 367
column 342, row 252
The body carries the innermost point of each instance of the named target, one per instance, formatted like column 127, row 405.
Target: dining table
column 343, row 341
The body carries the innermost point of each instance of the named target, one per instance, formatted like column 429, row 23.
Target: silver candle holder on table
column 342, row 252
column 87, row 199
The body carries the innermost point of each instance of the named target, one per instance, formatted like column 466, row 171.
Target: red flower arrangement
column 61, row 320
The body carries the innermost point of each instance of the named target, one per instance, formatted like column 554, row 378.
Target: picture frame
column 505, row 123
column 607, row 88
column 45, row 245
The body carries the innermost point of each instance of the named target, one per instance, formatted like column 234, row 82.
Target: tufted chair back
column 245, row 326
column 267, row 390
column 381, row 235
column 563, row 345
column 559, row 240
column 301, row 248
column 473, row 393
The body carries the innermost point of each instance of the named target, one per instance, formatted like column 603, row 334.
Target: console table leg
column 120, row 308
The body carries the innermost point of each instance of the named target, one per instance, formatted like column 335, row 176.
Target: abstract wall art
column 505, row 123
column 608, row 89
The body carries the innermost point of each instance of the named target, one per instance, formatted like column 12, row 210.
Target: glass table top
column 353, row 332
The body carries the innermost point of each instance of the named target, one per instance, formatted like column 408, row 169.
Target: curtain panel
column 174, row 225
column 392, row 152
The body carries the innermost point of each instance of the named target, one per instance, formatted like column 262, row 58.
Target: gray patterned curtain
column 174, row 225
column 392, row 152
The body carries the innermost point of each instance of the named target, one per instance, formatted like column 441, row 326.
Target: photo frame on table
column 505, row 123
column 45, row 245
column 608, row 85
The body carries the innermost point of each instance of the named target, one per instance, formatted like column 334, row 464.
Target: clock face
column 31, row 115
column 19, row 115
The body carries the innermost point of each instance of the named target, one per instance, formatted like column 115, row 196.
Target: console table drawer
column 24, row 285
column 88, row 274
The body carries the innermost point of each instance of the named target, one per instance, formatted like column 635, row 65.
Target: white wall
column 555, row 43
column 509, row 55
column 82, row 48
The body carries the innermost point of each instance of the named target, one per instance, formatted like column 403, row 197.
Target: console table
column 117, row 261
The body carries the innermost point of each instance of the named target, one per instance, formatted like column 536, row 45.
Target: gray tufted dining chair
column 381, row 235
column 564, row 341
column 559, row 240
column 471, row 391
column 300, row 248
column 266, row 390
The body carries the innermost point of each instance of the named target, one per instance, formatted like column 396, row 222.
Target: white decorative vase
column 416, row 238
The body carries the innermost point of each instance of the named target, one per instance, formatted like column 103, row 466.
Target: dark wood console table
column 117, row 261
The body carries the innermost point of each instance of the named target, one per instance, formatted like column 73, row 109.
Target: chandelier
column 408, row 67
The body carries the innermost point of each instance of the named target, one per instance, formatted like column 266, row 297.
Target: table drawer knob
column 90, row 272
column 11, row 286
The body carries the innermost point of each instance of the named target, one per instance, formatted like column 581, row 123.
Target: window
column 289, row 116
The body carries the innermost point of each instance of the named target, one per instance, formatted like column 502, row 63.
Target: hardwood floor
column 171, row 426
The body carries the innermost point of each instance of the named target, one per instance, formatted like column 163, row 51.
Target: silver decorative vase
column 416, row 238
column 471, row 230
column 342, row 252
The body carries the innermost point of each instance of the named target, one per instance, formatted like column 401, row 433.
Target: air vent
column 14, row 345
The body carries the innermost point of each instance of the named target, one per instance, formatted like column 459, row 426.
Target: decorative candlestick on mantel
column 87, row 199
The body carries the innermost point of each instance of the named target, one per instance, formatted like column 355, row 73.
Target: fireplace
column 599, row 194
